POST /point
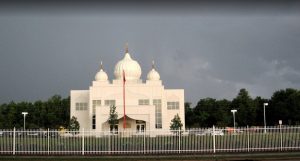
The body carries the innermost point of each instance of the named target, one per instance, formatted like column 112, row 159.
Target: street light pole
column 265, row 124
column 24, row 113
column 233, row 112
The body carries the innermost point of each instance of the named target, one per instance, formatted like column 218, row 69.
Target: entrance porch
column 132, row 125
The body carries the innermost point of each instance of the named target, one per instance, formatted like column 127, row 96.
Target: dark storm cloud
column 142, row 7
column 210, row 49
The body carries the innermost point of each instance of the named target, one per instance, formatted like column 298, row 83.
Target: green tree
column 13, row 118
column 74, row 124
column 284, row 105
column 209, row 112
column 258, row 103
column 65, row 111
column 113, row 117
column 176, row 123
column 204, row 112
column 53, row 113
column 39, row 117
column 189, row 115
column 246, row 113
column 222, row 113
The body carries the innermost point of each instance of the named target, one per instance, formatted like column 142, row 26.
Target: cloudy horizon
column 209, row 50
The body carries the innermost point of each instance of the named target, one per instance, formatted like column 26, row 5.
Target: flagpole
column 124, row 117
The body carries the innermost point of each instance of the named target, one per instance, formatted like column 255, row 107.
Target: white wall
column 134, row 90
column 82, row 116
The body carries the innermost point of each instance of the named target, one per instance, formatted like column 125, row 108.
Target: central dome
column 131, row 68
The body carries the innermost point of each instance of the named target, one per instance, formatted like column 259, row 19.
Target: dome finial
column 101, row 66
column 153, row 67
column 126, row 48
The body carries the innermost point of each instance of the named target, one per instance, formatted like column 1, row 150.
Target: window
column 143, row 102
column 158, row 118
column 140, row 126
column 109, row 102
column 94, row 122
column 81, row 106
column 95, row 103
column 114, row 129
column 173, row 105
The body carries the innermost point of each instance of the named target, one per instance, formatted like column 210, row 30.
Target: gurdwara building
column 148, row 105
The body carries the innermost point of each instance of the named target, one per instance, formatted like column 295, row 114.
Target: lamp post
column 233, row 113
column 24, row 113
column 280, row 123
column 265, row 124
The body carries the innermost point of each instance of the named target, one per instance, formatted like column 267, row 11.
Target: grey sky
column 209, row 50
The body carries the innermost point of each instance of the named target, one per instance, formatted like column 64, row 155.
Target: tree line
column 55, row 112
column 283, row 105
column 52, row 113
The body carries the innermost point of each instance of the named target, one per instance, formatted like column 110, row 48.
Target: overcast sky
column 208, row 49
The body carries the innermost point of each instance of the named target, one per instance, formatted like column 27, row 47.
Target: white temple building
column 148, row 105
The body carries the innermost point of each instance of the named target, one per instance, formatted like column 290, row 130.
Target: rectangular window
column 109, row 102
column 158, row 118
column 81, row 106
column 77, row 106
column 114, row 129
column 94, row 122
column 173, row 105
column 95, row 104
column 143, row 102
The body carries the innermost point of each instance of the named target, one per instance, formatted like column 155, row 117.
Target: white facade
column 149, row 106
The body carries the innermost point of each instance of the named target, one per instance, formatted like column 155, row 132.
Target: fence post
column 145, row 141
column 82, row 141
column 280, row 137
column 214, row 139
column 109, row 148
column 48, row 142
column 14, row 142
column 248, row 139
column 179, row 134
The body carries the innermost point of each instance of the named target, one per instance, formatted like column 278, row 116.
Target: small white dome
column 131, row 68
column 101, row 75
column 153, row 74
